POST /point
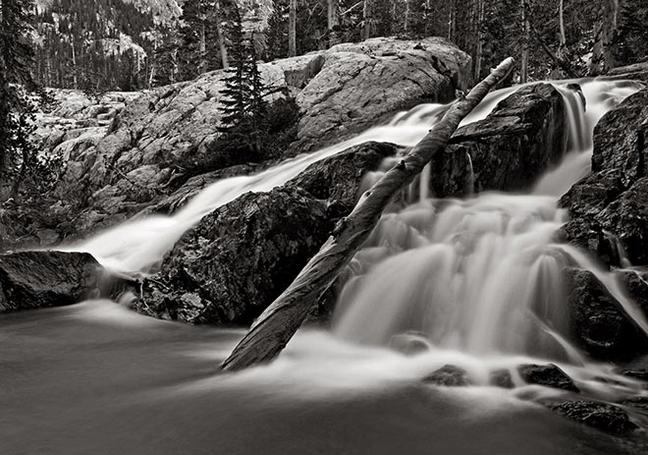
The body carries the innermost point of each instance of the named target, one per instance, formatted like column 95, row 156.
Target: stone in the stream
column 598, row 321
column 238, row 259
column 509, row 149
column 41, row 279
column 602, row 416
column 501, row 378
column 449, row 376
column 548, row 375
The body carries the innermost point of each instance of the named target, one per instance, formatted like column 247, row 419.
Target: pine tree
column 16, row 59
column 243, row 107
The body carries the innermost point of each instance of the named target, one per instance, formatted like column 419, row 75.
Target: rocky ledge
column 161, row 133
column 609, row 218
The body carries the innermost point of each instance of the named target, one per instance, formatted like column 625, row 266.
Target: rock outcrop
column 41, row 279
column 239, row 258
column 609, row 208
column 509, row 149
column 338, row 92
column 599, row 323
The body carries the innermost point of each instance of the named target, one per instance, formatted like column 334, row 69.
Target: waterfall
column 482, row 275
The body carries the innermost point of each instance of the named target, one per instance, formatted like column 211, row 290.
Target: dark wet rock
column 449, row 376
column 238, row 259
column 610, row 206
column 509, row 149
column 41, row 279
column 337, row 179
column 602, row 416
column 598, row 321
column 501, row 378
column 548, row 375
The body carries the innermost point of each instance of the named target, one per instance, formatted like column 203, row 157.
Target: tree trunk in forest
column 275, row 327
column 524, row 59
column 333, row 22
column 203, row 47
column 74, row 70
column 292, row 29
column 481, row 14
column 563, row 35
column 367, row 17
column 451, row 19
column 220, row 37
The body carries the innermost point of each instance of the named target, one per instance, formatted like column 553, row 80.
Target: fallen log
column 275, row 327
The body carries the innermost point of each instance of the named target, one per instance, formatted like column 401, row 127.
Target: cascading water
column 475, row 283
column 481, row 275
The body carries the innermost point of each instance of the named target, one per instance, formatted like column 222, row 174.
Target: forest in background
column 99, row 45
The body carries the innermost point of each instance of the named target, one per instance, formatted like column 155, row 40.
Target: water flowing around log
column 482, row 275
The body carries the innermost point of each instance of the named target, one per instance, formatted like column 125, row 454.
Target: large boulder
column 338, row 91
column 509, row 149
column 41, row 279
column 609, row 208
column 599, row 323
column 360, row 83
column 239, row 258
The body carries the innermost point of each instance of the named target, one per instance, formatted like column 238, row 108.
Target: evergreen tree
column 243, row 107
column 16, row 59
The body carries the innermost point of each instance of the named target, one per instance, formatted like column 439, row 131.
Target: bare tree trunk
column 220, row 37
column 451, row 19
column 203, row 48
column 275, row 327
column 524, row 60
column 563, row 35
column 292, row 29
column 367, row 16
column 481, row 13
column 74, row 65
column 333, row 22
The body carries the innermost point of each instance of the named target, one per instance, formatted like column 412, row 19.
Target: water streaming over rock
column 482, row 275
column 475, row 283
